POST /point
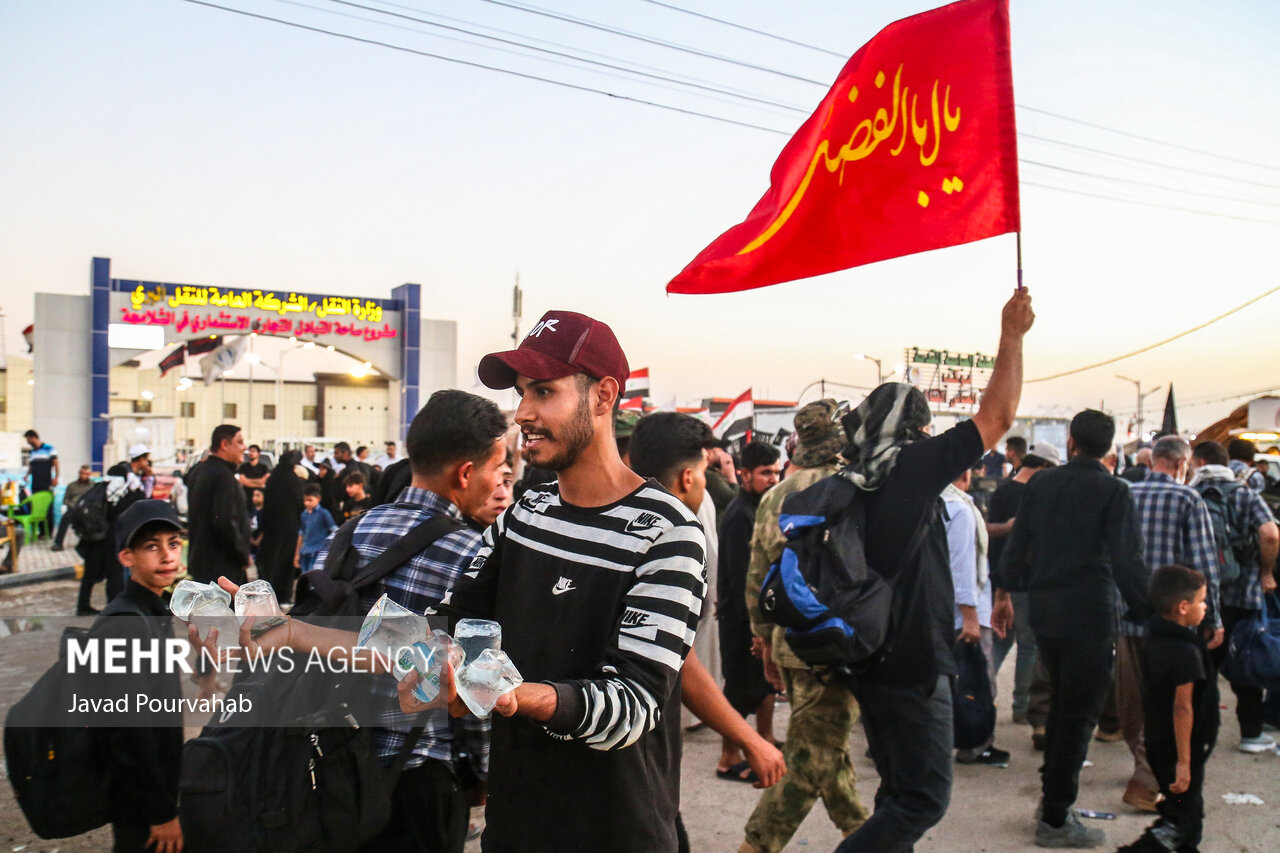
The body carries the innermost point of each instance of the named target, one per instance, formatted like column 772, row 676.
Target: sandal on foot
column 735, row 773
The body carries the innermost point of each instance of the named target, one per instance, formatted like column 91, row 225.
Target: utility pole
column 1141, row 399
column 517, row 308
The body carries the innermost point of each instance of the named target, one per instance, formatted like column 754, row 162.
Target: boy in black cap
column 145, row 752
column 1181, row 705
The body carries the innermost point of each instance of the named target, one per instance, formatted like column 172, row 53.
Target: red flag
column 634, row 404
column 912, row 149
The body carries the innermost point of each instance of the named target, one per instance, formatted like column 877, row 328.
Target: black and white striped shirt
column 603, row 604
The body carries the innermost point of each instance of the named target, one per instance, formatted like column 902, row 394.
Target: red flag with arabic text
column 912, row 149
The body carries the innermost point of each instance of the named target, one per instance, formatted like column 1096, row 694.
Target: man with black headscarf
column 906, row 696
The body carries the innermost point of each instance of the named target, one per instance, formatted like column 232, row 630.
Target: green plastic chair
column 40, row 504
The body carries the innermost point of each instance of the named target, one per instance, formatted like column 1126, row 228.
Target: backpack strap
column 411, row 543
column 410, row 741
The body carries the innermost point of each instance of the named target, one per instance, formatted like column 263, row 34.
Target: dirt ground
column 991, row 809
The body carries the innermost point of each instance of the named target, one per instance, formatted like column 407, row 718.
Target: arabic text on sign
column 368, row 310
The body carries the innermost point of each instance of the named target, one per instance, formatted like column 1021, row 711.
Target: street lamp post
column 879, row 368
column 1141, row 399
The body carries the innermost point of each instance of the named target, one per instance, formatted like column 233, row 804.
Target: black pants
column 63, row 524
column 1079, row 676
column 100, row 563
column 129, row 837
column 1181, row 815
column 1248, row 699
column 744, row 683
column 428, row 813
column 910, row 738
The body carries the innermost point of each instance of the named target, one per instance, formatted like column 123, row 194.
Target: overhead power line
column 574, row 57
column 1048, row 113
column 1022, row 134
column 1167, row 340
column 535, row 40
column 480, row 65
column 1147, row 184
column 745, row 28
column 658, row 80
column 1156, row 205
column 617, row 31
column 1151, row 139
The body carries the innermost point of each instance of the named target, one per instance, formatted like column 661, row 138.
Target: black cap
column 140, row 514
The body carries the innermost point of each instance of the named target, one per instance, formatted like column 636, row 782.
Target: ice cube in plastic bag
column 483, row 681
column 476, row 635
column 256, row 601
column 189, row 593
column 212, row 612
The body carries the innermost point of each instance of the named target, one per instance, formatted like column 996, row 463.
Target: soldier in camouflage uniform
column 822, row 715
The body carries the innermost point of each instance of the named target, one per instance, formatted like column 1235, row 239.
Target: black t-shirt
column 40, row 467
column 1175, row 655
column 352, row 507
column 1002, row 507
column 923, row 598
column 253, row 472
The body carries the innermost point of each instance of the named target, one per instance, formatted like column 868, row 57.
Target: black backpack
column 1235, row 542
column 60, row 774
column 973, row 710
column 835, row 607
column 296, row 770
column 332, row 594
column 90, row 518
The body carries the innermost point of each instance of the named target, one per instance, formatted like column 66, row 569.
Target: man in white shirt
column 385, row 460
column 970, row 575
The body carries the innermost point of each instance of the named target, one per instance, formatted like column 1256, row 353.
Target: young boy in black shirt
column 146, row 752
column 1181, row 701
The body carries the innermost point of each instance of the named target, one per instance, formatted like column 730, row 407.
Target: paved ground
column 991, row 809
column 40, row 556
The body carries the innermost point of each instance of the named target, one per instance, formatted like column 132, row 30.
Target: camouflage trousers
column 817, row 753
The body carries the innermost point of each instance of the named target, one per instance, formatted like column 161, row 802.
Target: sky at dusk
column 190, row 144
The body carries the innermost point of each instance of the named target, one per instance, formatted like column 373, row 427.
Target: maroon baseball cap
column 561, row 344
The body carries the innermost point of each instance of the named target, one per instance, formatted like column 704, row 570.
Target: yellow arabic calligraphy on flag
column 912, row 149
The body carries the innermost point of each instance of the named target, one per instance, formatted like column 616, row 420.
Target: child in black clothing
column 146, row 751
column 1181, row 701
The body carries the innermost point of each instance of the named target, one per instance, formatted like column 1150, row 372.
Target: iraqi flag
column 637, row 383
column 635, row 404
column 738, row 419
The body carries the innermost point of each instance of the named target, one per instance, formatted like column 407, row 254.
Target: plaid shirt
column 1175, row 529
column 1246, row 592
column 417, row 585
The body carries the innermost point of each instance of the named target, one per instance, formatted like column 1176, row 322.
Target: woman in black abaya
column 280, row 521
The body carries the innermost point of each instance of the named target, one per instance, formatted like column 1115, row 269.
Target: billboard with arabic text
column 368, row 329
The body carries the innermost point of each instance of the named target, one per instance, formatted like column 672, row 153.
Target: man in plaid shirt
column 1175, row 530
column 457, row 449
column 1242, row 600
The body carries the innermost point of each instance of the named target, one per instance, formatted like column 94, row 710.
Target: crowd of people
column 607, row 562
column 241, row 513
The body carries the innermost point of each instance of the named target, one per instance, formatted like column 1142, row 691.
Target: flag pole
column 1018, row 234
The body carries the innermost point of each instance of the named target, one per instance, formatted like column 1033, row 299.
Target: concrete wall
column 62, row 402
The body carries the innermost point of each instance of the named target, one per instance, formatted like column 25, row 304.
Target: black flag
column 1170, row 424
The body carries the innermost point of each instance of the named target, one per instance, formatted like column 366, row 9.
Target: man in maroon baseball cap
column 595, row 579
column 561, row 344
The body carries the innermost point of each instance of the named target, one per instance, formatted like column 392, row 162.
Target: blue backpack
column 836, row 609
